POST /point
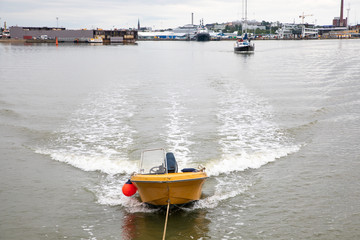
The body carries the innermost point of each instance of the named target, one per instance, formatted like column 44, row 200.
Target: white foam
column 249, row 138
column 349, row 117
column 240, row 162
column 92, row 162
column 97, row 136
column 109, row 192
column 178, row 130
column 214, row 200
column 227, row 170
column 227, row 186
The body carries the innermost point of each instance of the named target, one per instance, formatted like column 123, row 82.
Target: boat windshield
column 153, row 161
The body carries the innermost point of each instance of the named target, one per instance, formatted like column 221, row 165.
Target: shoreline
column 29, row 41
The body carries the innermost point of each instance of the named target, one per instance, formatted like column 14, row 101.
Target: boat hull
column 178, row 188
column 248, row 48
column 203, row 37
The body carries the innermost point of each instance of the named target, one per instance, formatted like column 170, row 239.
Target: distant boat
column 190, row 30
column 202, row 35
column 244, row 44
column 159, row 183
column 5, row 34
column 95, row 40
column 194, row 32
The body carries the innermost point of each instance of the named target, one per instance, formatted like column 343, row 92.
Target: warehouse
column 65, row 35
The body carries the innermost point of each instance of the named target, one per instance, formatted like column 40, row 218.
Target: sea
column 277, row 131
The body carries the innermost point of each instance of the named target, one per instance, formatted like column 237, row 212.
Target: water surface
column 276, row 130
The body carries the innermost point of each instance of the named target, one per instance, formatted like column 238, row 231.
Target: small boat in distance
column 244, row 45
column 159, row 183
column 96, row 39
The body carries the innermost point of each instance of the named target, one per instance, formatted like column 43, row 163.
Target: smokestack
column 192, row 18
column 341, row 14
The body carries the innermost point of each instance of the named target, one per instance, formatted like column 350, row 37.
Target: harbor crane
column 303, row 16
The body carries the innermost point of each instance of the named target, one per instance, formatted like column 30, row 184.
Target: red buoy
column 129, row 189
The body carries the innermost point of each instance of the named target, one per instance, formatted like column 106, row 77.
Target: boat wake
column 243, row 160
column 109, row 192
column 102, row 136
column 178, row 134
column 248, row 134
column 97, row 136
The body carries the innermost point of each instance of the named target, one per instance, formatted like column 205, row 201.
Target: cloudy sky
column 158, row 14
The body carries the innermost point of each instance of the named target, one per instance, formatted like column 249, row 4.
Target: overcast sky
column 158, row 14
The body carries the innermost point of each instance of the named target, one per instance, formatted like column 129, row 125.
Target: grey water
column 277, row 130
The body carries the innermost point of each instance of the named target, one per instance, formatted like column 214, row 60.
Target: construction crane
column 303, row 16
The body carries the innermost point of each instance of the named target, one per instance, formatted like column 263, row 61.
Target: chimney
column 192, row 18
column 341, row 14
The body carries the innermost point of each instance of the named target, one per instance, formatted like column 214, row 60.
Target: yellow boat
column 160, row 183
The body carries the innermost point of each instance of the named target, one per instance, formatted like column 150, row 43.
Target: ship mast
column 244, row 9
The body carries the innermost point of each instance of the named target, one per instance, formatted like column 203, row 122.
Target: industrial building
column 339, row 29
column 65, row 35
column 340, row 21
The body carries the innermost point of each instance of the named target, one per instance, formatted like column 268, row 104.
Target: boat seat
column 171, row 163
